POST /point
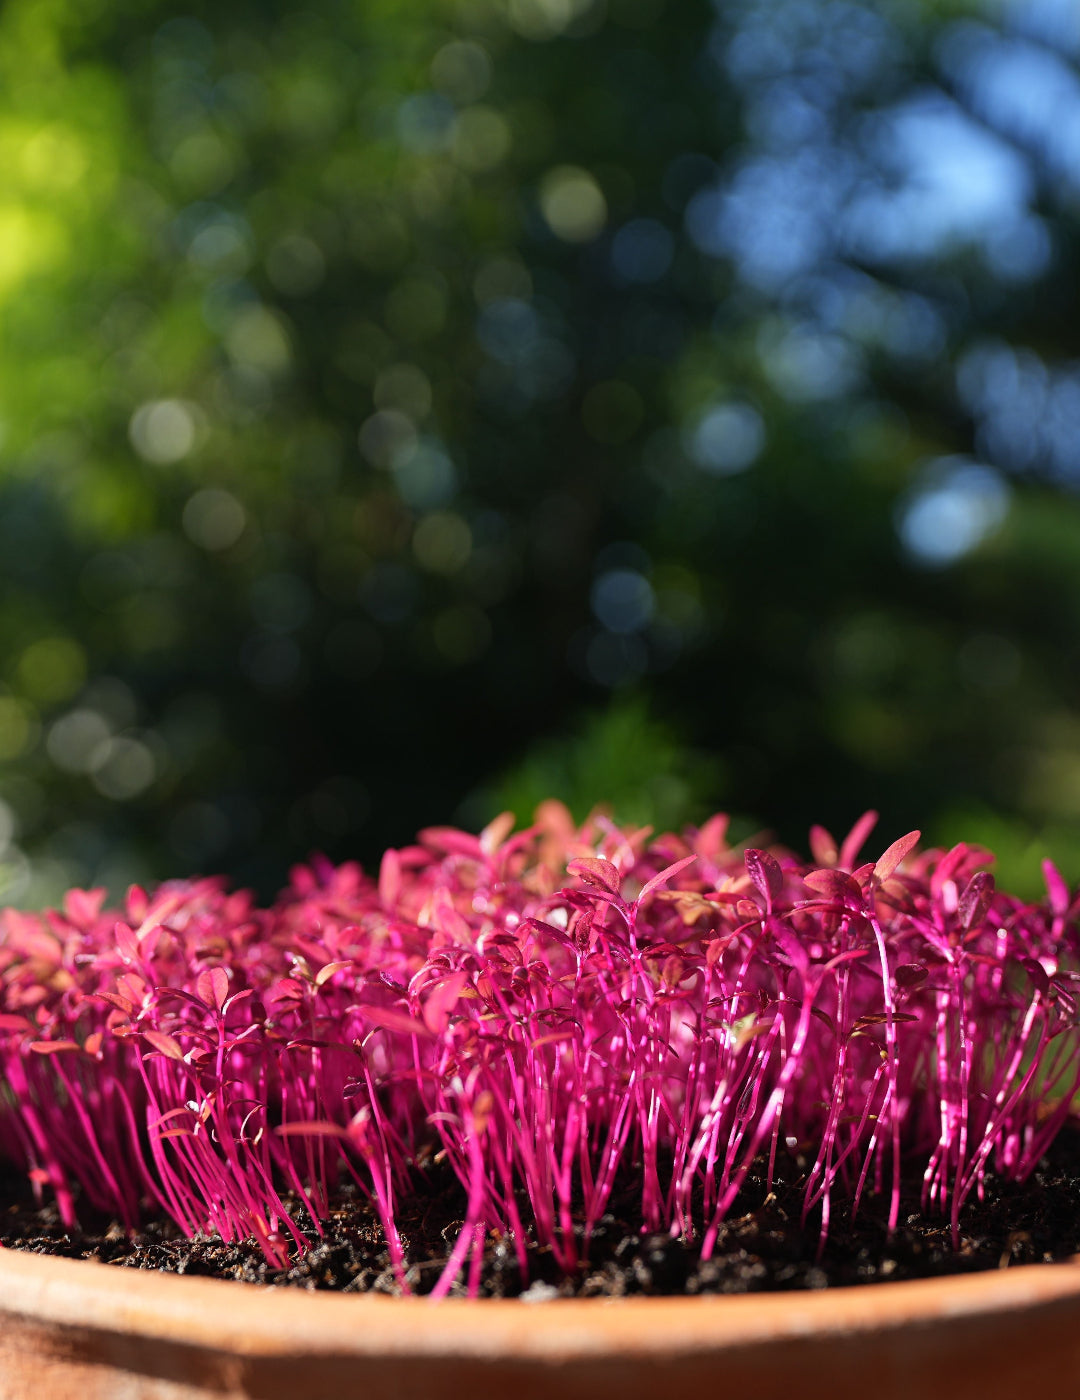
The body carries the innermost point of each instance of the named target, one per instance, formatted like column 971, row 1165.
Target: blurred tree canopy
column 409, row 407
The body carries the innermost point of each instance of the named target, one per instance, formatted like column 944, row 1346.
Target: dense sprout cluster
column 548, row 1011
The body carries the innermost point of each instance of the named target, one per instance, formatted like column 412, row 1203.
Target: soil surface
column 762, row 1247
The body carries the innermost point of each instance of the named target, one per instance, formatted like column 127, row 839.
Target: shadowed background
column 415, row 408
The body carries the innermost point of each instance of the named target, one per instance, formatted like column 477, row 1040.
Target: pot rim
column 267, row 1321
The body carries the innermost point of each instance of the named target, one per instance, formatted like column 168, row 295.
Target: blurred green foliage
column 623, row 759
column 411, row 407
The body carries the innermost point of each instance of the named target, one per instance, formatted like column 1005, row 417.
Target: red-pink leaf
column 316, row 1128
column 764, row 869
column 441, row 1001
column 13, row 1023
column 388, row 1020
column 662, row 877
column 833, row 884
column 896, row 854
column 538, row 929
column 285, row 989
column 948, row 867
column 164, row 907
column 710, row 839
column 126, row 942
column 326, row 972
column 595, row 870
column 716, row 947
column 823, row 846
column 213, row 987
column 910, row 975
column 856, row 839
column 164, row 1044
column 496, row 832
column 175, row 1113
column 137, row 902
column 552, row 1038
column 848, row 955
column 1056, row 888
column 390, row 879
column 133, row 987
column 1037, row 973
column 83, row 906
column 975, row 900
column 163, row 993
column 112, row 999
column 52, row 1047
column 448, row 840
column 444, row 916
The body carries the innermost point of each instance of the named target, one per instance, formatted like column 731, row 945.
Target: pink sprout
column 552, row 1012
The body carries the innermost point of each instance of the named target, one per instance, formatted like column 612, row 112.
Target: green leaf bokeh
column 413, row 407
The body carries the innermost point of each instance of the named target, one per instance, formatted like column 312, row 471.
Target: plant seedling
column 546, row 1011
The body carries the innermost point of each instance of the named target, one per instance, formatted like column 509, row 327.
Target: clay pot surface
column 73, row 1330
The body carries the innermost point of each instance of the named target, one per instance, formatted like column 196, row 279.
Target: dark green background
column 412, row 409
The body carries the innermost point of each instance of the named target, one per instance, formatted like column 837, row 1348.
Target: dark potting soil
column 762, row 1247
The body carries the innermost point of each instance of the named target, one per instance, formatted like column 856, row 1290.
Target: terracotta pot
column 82, row 1331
